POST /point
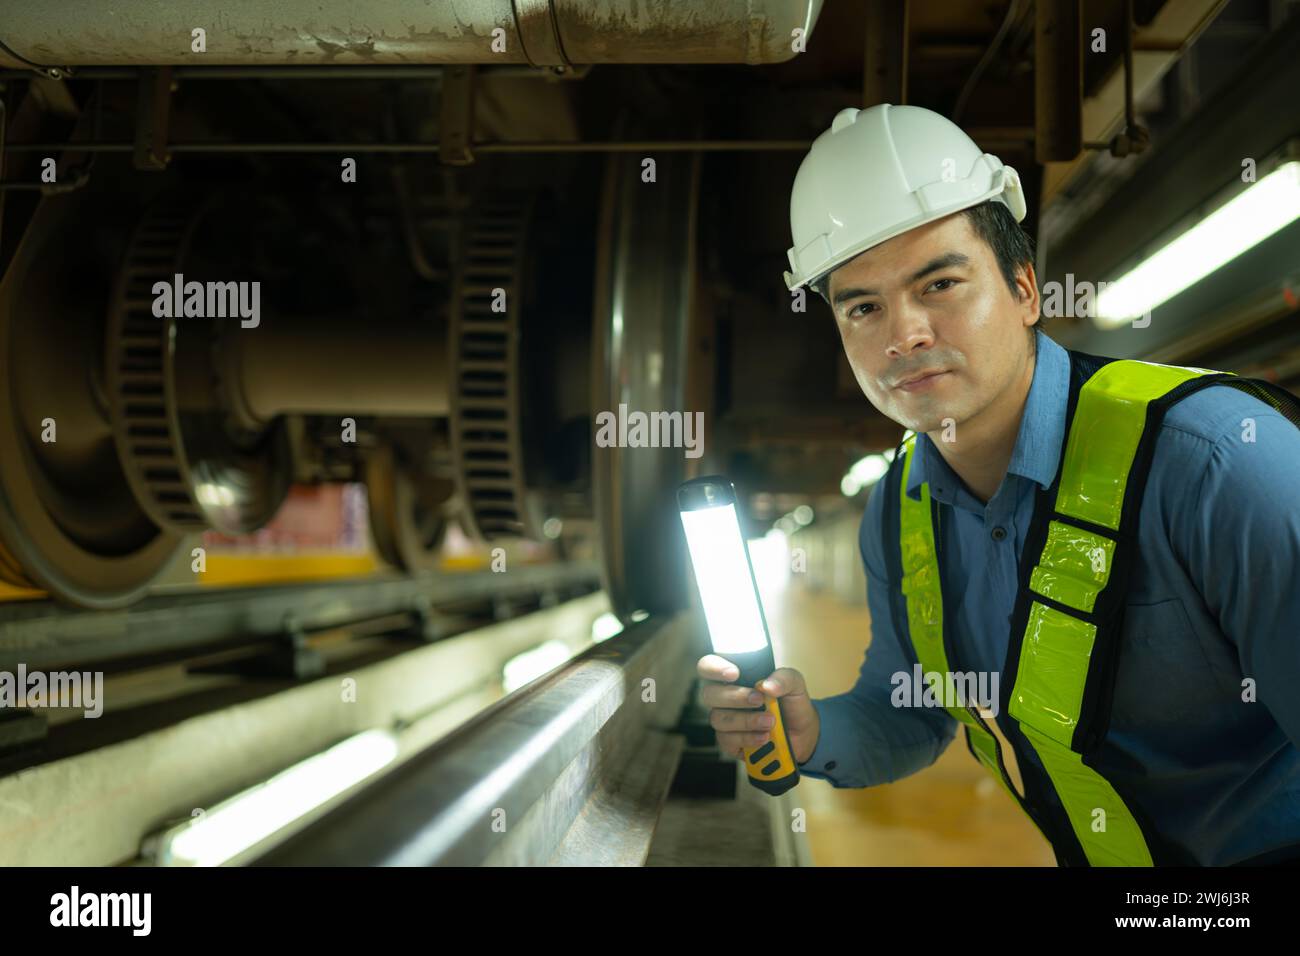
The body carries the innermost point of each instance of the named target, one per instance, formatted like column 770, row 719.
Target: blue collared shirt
column 1213, row 601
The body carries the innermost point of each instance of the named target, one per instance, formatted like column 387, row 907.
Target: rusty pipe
column 554, row 33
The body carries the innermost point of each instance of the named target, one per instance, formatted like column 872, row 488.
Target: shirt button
column 830, row 765
column 999, row 533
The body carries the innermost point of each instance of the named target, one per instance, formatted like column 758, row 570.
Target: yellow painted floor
column 950, row 814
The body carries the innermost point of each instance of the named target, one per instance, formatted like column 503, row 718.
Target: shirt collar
column 1042, row 426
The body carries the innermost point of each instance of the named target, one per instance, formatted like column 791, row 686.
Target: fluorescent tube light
column 1240, row 224
column 247, row 818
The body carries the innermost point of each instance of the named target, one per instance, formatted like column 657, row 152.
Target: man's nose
column 909, row 329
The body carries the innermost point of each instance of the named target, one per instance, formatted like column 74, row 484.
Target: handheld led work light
column 737, row 626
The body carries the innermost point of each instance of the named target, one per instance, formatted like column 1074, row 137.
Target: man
column 1128, row 579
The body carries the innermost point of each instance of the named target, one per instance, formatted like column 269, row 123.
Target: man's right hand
column 736, row 713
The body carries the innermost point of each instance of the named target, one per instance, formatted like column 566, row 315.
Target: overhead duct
column 75, row 33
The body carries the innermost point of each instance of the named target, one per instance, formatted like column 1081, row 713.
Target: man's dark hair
column 1012, row 247
column 993, row 222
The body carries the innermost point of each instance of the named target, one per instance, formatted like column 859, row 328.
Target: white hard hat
column 879, row 172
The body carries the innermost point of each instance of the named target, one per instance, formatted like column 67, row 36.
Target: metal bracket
column 286, row 658
column 1134, row 138
column 152, row 115
column 456, row 126
column 293, row 658
column 427, row 624
column 49, row 72
column 503, row 609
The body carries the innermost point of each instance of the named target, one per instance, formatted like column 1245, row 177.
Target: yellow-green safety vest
column 1078, row 556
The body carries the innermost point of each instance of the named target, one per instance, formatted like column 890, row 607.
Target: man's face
column 933, row 300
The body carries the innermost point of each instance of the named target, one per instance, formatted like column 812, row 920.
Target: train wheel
column 69, row 522
column 645, row 275
column 409, row 512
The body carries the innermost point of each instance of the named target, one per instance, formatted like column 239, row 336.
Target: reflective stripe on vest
column 1073, row 568
column 924, row 601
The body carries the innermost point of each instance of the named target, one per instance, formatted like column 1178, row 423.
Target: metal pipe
column 74, row 33
column 994, row 48
column 995, row 137
column 574, row 765
column 1130, row 120
column 338, row 365
column 286, row 72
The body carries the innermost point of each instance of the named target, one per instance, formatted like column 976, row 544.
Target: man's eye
column 938, row 282
column 860, row 305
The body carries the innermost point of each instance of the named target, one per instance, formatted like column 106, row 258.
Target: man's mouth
column 921, row 380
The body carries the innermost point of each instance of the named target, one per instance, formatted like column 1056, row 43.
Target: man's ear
column 1027, row 291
